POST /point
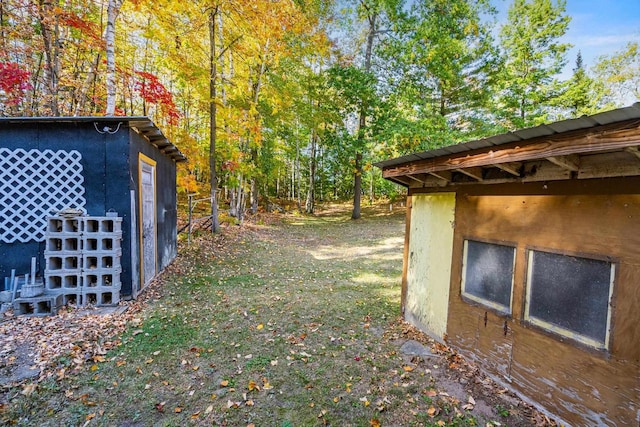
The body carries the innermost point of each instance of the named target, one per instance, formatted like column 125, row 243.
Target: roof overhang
column 599, row 146
column 140, row 124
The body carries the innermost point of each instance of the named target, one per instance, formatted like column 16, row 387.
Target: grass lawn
column 292, row 322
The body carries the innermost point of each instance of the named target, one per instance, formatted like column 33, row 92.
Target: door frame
column 142, row 162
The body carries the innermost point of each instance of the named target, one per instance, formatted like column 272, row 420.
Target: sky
column 597, row 27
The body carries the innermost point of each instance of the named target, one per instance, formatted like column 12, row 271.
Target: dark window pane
column 489, row 272
column 571, row 292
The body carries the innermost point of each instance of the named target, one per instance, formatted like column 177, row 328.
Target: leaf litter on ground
column 288, row 320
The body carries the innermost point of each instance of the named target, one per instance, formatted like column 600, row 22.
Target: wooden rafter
column 475, row 173
column 442, row 175
column 415, row 179
column 571, row 162
column 633, row 150
column 512, row 168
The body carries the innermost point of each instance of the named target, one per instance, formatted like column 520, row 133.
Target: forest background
column 295, row 99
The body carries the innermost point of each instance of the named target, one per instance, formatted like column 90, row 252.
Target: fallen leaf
column 252, row 386
column 160, row 406
column 90, row 416
column 408, row 368
column 208, row 410
column 224, row 383
column 432, row 411
column 260, row 326
column 28, row 389
column 177, row 410
column 374, row 422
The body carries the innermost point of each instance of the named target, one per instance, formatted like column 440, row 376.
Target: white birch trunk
column 110, row 38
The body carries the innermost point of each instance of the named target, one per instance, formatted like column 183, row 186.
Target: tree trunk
column 255, row 195
column 357, row 187
column 297, row 175
column 112, row 15
column 50, row 40
column 362, row 122
column 213, row 110
column 310, row 204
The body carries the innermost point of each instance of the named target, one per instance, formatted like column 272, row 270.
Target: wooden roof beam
column 475, row 173
column 571, row 162
column 415, row 179
column 442, row 175
column 511, row 168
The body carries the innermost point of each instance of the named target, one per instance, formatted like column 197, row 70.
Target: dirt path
column 293, row 323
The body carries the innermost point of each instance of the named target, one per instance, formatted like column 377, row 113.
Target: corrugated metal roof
column 582, row 123
column 142, row 124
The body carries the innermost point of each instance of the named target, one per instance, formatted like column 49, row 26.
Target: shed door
column 147, row 219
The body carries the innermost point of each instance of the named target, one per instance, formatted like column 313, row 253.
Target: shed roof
column 141, row 124
column 601, row 145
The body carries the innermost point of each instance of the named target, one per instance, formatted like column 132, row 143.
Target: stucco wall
column 429, row 262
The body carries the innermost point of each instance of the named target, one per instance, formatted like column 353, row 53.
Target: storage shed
column 105, row 167
column 522, row 251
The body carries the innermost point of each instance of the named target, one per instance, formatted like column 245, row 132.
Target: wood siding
column 598, row 218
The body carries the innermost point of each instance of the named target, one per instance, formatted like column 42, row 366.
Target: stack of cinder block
column 101, row 267
column 63, row 258
column 82, row 258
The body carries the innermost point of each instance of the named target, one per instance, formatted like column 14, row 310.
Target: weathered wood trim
column 571, row 162
column 539, row 148
column 608, row 165
column 405, row 255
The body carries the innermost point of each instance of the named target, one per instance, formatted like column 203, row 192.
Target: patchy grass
column 289, row 324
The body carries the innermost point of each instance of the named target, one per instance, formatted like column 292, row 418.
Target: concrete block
column 57, row 281
column 43, row 305
column 101, row 296
column 102, row 225
column 63, row 262
column 108, row 277
column 64, row 225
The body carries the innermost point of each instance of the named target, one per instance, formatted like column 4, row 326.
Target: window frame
column 474, row 299
column 560, row 331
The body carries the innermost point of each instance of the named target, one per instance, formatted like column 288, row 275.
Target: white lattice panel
column 33, row 185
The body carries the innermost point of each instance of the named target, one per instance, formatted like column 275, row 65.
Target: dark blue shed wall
column 110, row 172
column 105, row 171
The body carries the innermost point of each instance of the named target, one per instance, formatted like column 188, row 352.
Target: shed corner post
column 405, row 256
